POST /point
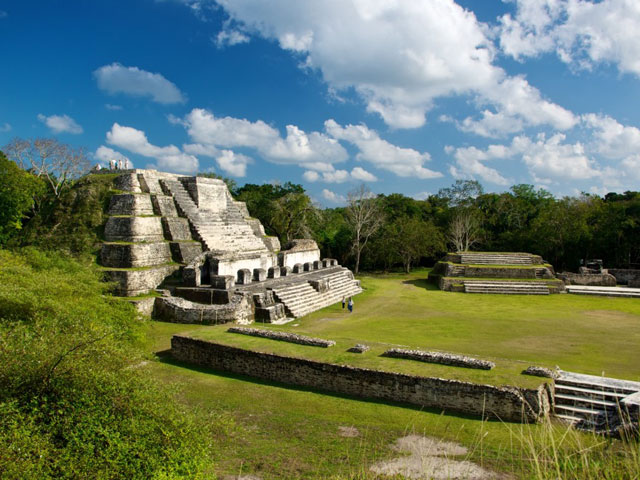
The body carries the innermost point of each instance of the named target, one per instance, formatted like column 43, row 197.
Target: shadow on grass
column 421, row 283
column 165, row 357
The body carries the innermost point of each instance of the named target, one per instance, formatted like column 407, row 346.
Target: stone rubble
column 282, row 336
column 440, row 358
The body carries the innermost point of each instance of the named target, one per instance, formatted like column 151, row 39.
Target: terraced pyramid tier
column 495, row 272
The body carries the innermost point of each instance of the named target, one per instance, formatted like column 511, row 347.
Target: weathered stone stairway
column 506, row 288
column 591, row 402
column 495, row 259
column 300, row 298
column 218, row 232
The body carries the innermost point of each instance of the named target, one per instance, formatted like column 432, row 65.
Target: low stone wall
column 283, row 336
column 625, row 276
column 588, row 279
column 440, row 358
column 506, row 403
column 179, row 310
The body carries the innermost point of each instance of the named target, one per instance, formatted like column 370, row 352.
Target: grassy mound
column 73, row 400
column 74, row 222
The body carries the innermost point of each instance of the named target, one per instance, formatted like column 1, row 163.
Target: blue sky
column 406, row 96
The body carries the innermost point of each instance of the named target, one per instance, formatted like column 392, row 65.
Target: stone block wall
column 507, row 403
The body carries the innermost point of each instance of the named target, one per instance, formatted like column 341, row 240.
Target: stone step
column 579, row 411
column 588, row 391
column 570, row 399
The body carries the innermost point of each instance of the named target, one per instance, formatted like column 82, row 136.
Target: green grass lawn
column 593, row 335
column 275, row 431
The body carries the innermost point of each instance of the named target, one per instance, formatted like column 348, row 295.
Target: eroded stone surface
column 132, row 255
column 130, row 204
column 133, row 229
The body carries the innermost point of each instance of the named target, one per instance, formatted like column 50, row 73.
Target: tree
column 292, row 216
column 464, row 229
column 414, row 239
column 47, row 158
column 18, row 192
column 365, row 216
column 462, row 192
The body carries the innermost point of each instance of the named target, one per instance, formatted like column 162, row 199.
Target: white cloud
column 170, row 157
column 311, row 176
column 422, row 195
column 61, row 124
column 548, row 160
column 612, row 139
column 404, row 162
column 5, row 127
column 339, row 176
column 469, row 164
column 333, row 197
column 360, row 173
column 229, row 36
column 314, row 150
column 117, row 78
column 234, row 164
column 105, row 154
column 580, row 32
column 110, row 106
column 399, row 56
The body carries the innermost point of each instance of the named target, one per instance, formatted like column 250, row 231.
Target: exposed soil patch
column 348, row 432
column 430, row 458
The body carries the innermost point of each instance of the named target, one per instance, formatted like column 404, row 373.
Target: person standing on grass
column 344, row 301
column 350, row 305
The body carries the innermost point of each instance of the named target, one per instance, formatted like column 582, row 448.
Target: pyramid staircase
column 495, row 259
column 300, row 298
column 591, row 402
column 506, row 288
column 225, row 231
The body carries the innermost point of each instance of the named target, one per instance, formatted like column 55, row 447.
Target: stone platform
column 604, row 291
column 495, row 272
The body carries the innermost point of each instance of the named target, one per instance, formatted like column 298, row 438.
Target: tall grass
column 556, row 451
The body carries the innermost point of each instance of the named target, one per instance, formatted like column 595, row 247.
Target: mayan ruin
column 216, row 262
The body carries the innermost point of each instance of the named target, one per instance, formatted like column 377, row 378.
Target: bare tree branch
column 365, row 216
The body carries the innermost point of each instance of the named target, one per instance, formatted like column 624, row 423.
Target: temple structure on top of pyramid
column 185, row 251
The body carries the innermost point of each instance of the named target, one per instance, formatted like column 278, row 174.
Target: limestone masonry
column 492, row 272
column 212, row 262
column 506, row 403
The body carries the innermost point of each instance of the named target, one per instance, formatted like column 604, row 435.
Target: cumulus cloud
column 333, row 197
column 61, row 124
column 234, row 164
column 581, row 32
column 314, row 150
column 5, row 127
column 339, row 176
column 398, row 56
column 404, row 162
column 359, row 173
column 548, row 160
column 170, row 157
column 117, row 78
column 469, row 163
column 612, row 139
column 104, row 154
